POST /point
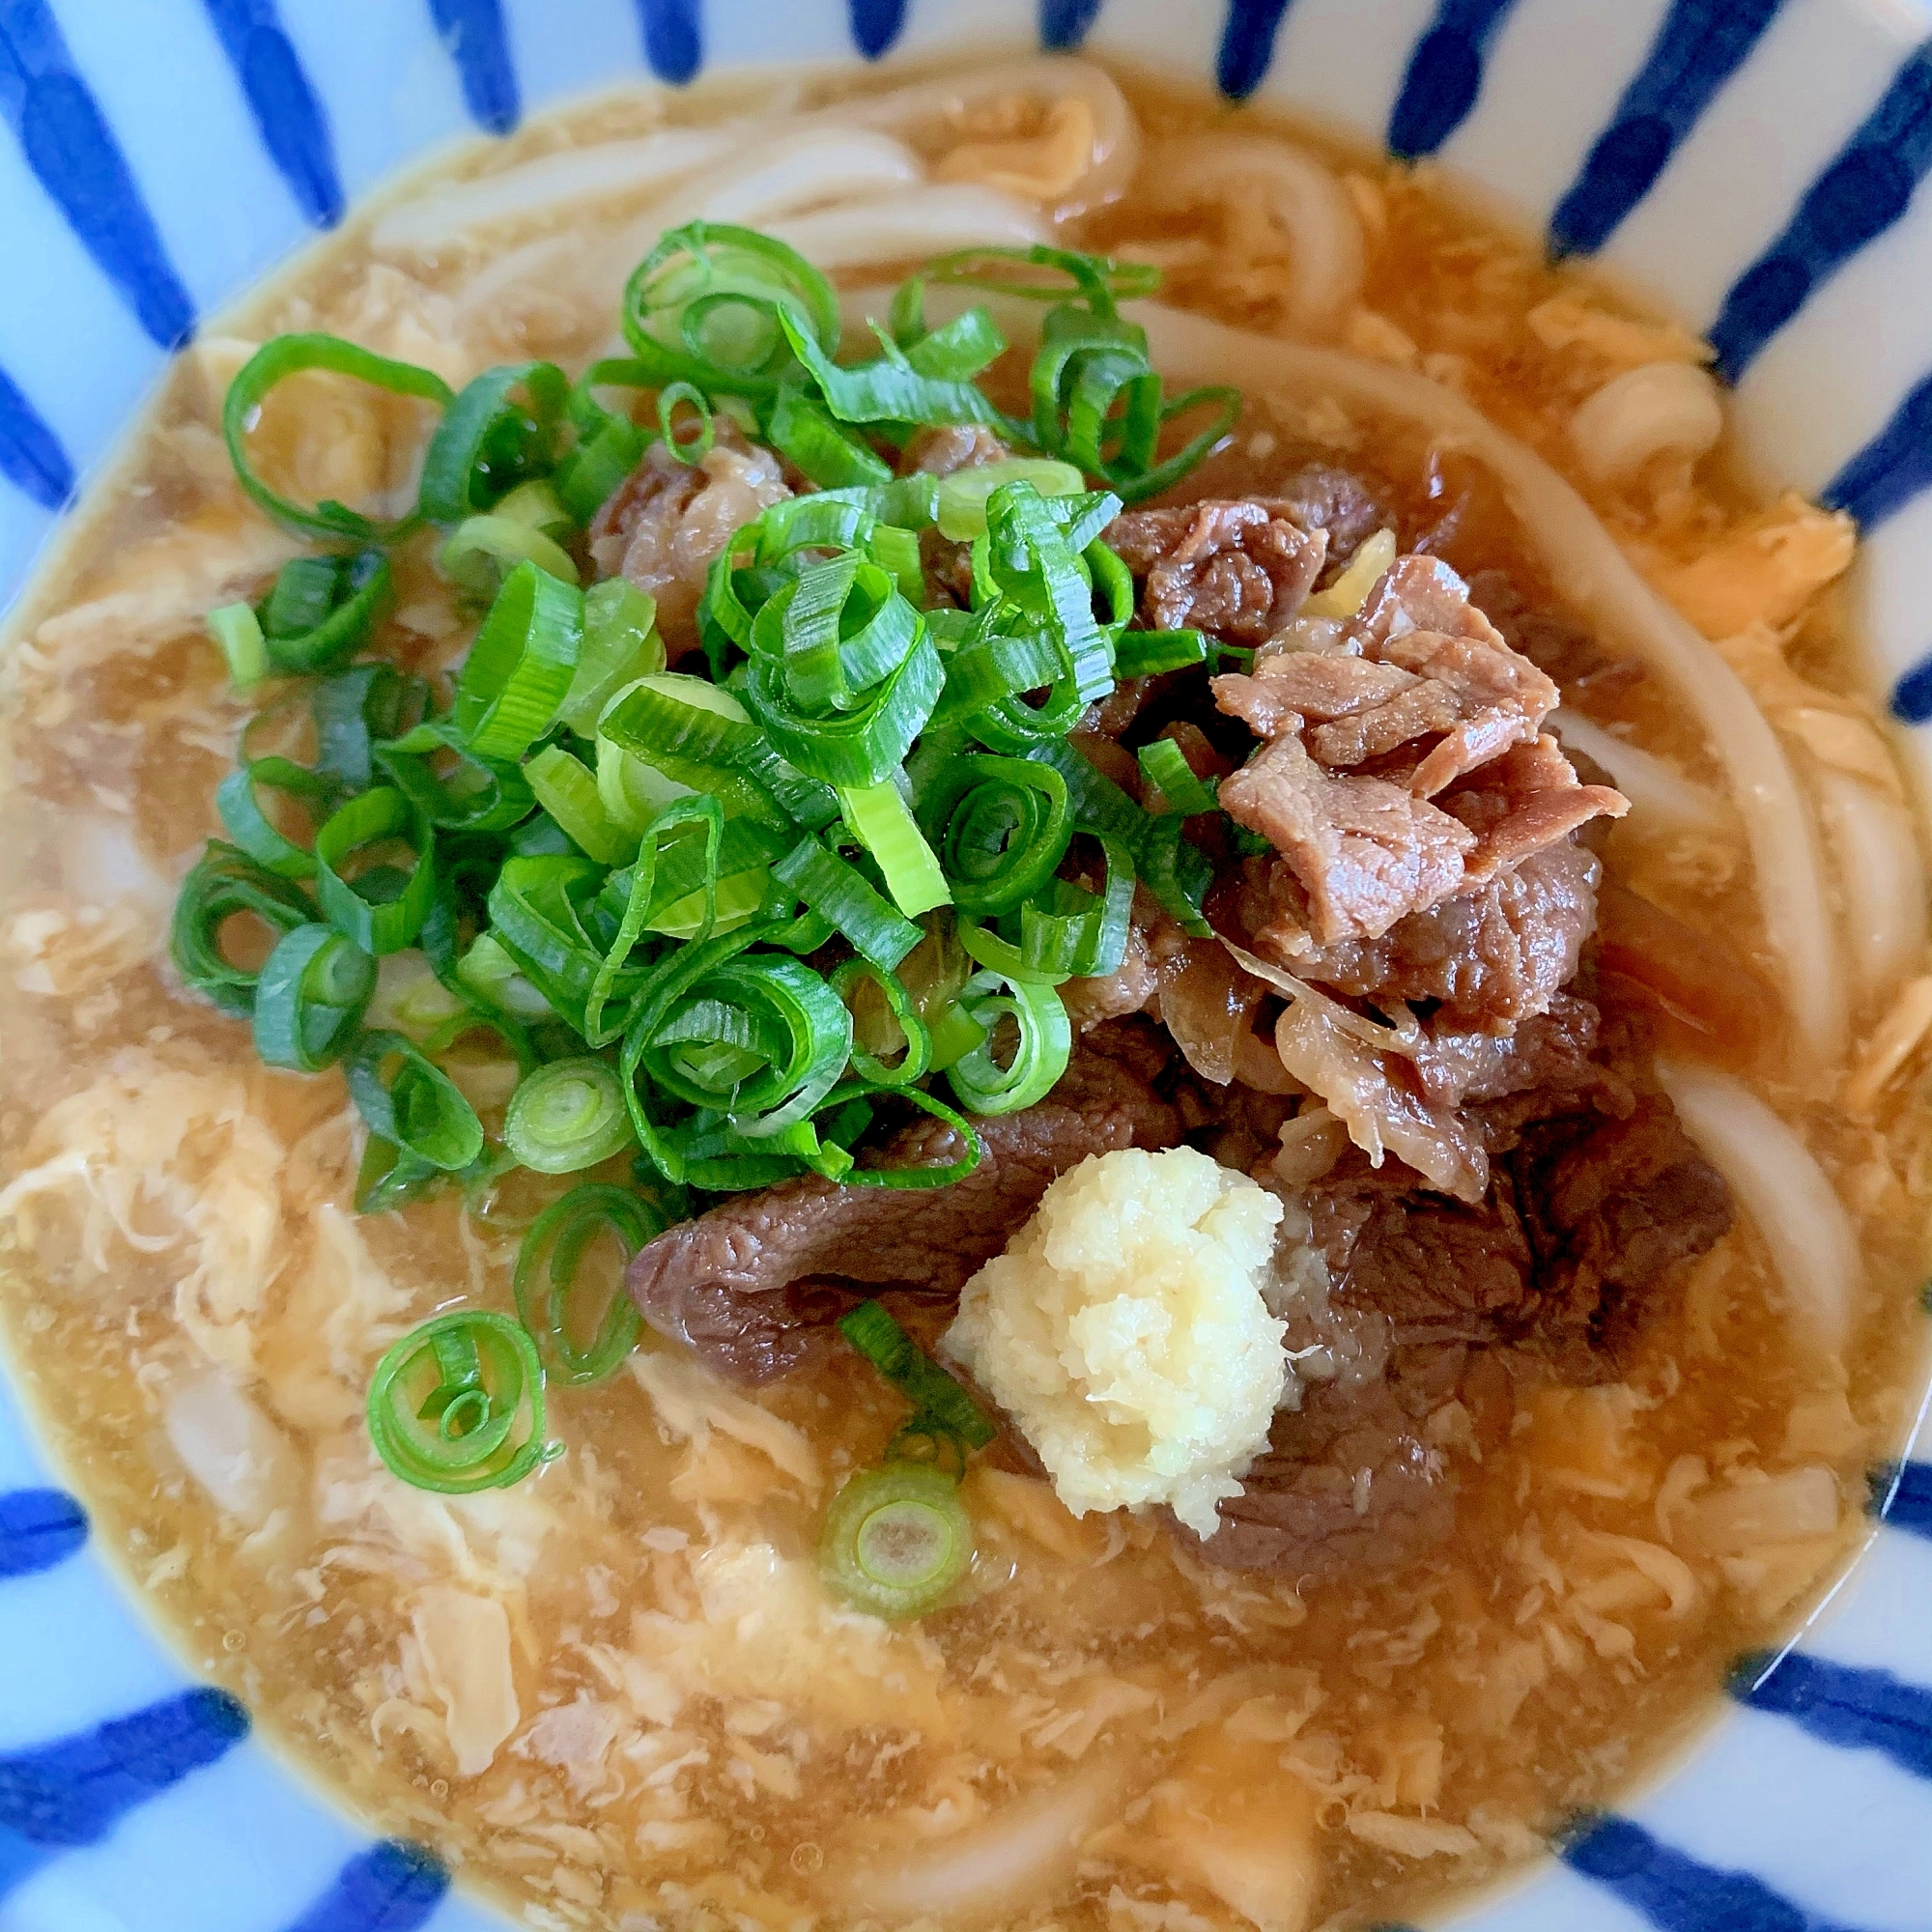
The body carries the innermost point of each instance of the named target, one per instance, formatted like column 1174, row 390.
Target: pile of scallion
column 714, row 919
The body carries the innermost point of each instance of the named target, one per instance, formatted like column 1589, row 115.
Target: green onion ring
column 568, row 1114
column 310, row 998
column 408, row 1101
column 519, row 668
column 226, row 882
column 1000, row 826
column 548, row 1262
column 896, row 1541
column 917, row 1059
column 285, row 355
column 386, row 925
column 324, row 609
column 489, row 441
column 457, row 1406
column 1046, row 1043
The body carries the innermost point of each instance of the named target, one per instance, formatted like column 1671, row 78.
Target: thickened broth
column 1527, row 1536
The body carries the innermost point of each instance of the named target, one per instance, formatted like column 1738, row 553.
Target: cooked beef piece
column 1346, row 1483
column 1550, row 1054
column 1597, row 1194
column 745, row 1285
column 1610, row 1208
column 1492, row 956
column 1358, row 853
column 1406, row 788
column 1239, row 570
column 1431, row 667
column 940, row 451
column 1567, row 652
column 665, row 523
column 1319, row 496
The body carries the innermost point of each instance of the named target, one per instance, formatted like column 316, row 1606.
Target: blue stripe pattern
column 39, row 1528
column 1892, row 469
column 393, row 1888
column 473, row 32
column 1063, row 23
column 288, row 116
column 673, row 44
column 1674, row 1891
column 1854, row 1708
column 876, row 24
column 1445, row 75
column 1247, row 45
column 72, row 1791
column 1700, row 46
column 30, row 456
column 1863, row 191
column 74, row 156
column 1901, row 1492
column 1912, row 704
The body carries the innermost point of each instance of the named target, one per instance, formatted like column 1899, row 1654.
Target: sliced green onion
column 224, row 884
column 829, row 885
column 1165, row 767
column 473, row 794
column 896, row 1541
column 310, row 998
column 567, row 789
column 323, row 610
column 802, row 431
column 940, row 1174
column 522, row 664
column 457, row 1405
column 1040, row 274
column 409, row 1101
column 707, row 305
column 863, row 738
column 934, row 1395
column 1045, row 1045
column 387, row 1178
column 701, row 737
column 499, row 430
column 595, row 470
column 356, row 709
column 620, row 644
column 250, row 826
column 886, row 390
column 489, row 973
column 484, row 550
column 790, row 1032
column 286, row 356
column 537, row 911
column 1148, row 653
column 1000, row 826
column 547, row 1279
column 1067, row 933
column 916, row 1057
column 568, row 1114
column 383, row 909
column 237, row 631
column 878, row 818
column 633, row 792
column 536, row 504
column 962, row 495
column 696, row 448
column 460, row 1025
column 1175, row 871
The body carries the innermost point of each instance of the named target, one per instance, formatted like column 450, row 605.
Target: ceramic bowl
column 1756, row 163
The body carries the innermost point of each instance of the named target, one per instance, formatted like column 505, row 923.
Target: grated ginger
column 1125, row 1331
